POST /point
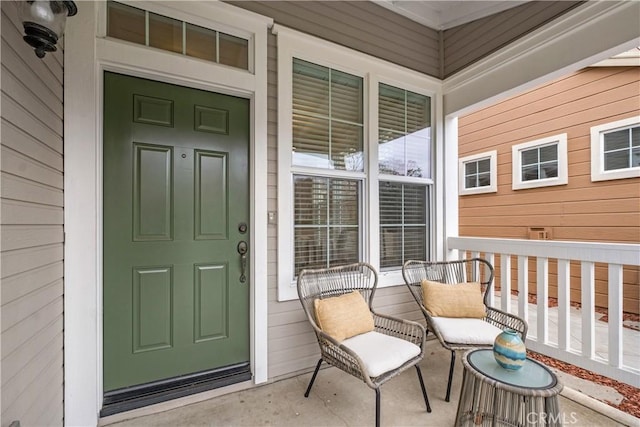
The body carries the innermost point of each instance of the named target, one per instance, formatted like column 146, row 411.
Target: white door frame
column 88, row 53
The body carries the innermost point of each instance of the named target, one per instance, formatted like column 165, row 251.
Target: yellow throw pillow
column 459, row 300
column 344, row 316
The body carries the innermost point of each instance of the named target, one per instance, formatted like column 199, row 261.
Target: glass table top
column 532, row 375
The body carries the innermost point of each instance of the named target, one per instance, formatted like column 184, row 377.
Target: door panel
column 175, row 189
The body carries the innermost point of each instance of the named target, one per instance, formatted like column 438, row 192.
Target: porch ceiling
column 442, row 15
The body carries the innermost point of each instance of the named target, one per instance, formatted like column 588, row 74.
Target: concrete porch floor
column 337, row 399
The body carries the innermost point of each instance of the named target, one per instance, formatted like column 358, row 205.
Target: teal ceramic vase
column 509, row 350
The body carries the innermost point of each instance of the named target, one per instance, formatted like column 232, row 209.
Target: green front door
column 176, row 209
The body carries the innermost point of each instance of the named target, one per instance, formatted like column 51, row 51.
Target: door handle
column 242, row 250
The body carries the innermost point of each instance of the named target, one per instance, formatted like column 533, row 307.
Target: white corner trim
column 597, row 152
column 516, row 164
column 493, row 173
column 86, row 58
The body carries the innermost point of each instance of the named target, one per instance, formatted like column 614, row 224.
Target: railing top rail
column 612, row 253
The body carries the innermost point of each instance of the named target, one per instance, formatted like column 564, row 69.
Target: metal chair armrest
column 503, row 320
column 400, row 328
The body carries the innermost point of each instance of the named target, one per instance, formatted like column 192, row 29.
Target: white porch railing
column 608, row 348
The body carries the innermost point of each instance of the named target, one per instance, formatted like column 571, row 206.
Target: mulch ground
column 629, row 404
column 631, row 401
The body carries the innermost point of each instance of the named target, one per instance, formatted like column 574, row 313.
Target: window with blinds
column 540, row 162
column 622, row 148
column 404, row 132
column 403, row 223
column 404, row 150
column 327, row 118
column 477, row 173
column 326, row 222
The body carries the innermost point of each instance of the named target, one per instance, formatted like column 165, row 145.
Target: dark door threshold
column 128, row 398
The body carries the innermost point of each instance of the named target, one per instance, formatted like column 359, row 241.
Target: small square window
column 478, row 173
column 615, row 150
column 540, row 163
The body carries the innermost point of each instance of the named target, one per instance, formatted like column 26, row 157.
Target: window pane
column 530, row 173
column 484, row 179
column 471, row 168
column 616, row 160
column 616, row 140
column 414, row 244
column 165, row 33
column 404, row 138
column 484, row 165
column 327, row 115
column 234, row 51
column 346, row 97
column 403, row 221
column 125, row 22
column 635, row 137
column 391, row 112
column 470, row 181
column 549, row 153
column 310, row 88
column 529, row 156
column 549, row 170
column 418, row 112
column 201, row 42
column 417, row 153
column 326, row 225
column 346, row 147
column 414, row 204
column 310, row 141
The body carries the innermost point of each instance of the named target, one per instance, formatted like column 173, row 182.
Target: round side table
column 494, row 396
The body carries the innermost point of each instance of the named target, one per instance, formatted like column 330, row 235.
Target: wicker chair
column 336, row 281
column 460, row 334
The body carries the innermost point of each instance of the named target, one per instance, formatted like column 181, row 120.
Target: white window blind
column 403, row 223
column 404, row 134
column 622, row 149
column 327, row 118
column 327, row 221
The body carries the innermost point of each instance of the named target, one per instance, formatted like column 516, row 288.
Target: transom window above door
column 140, row 26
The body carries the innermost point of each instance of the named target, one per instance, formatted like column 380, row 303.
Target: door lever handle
column 242, row 250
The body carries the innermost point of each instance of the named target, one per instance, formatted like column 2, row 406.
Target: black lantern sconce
column 44, row 21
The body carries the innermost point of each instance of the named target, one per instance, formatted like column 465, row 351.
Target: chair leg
column 453, row 364
column 313, row 378
column 377, row 407
column 424, row 390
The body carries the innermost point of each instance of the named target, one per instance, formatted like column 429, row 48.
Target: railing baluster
column 564, row 306
column 523, row 287
column 542, row 292
column 505, row 282
column 576, row 347
column 587, row 289
column 615, row 315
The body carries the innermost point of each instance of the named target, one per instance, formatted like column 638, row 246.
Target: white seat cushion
column 381, row 353
column 466, row 331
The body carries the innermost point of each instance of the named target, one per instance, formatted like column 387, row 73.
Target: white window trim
column 87, row 55
column 493, row 173
column 516, row 162
column 291, row 44
column 597, row 152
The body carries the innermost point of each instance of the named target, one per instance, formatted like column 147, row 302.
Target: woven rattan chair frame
column 453, row 272
column 361, row 277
